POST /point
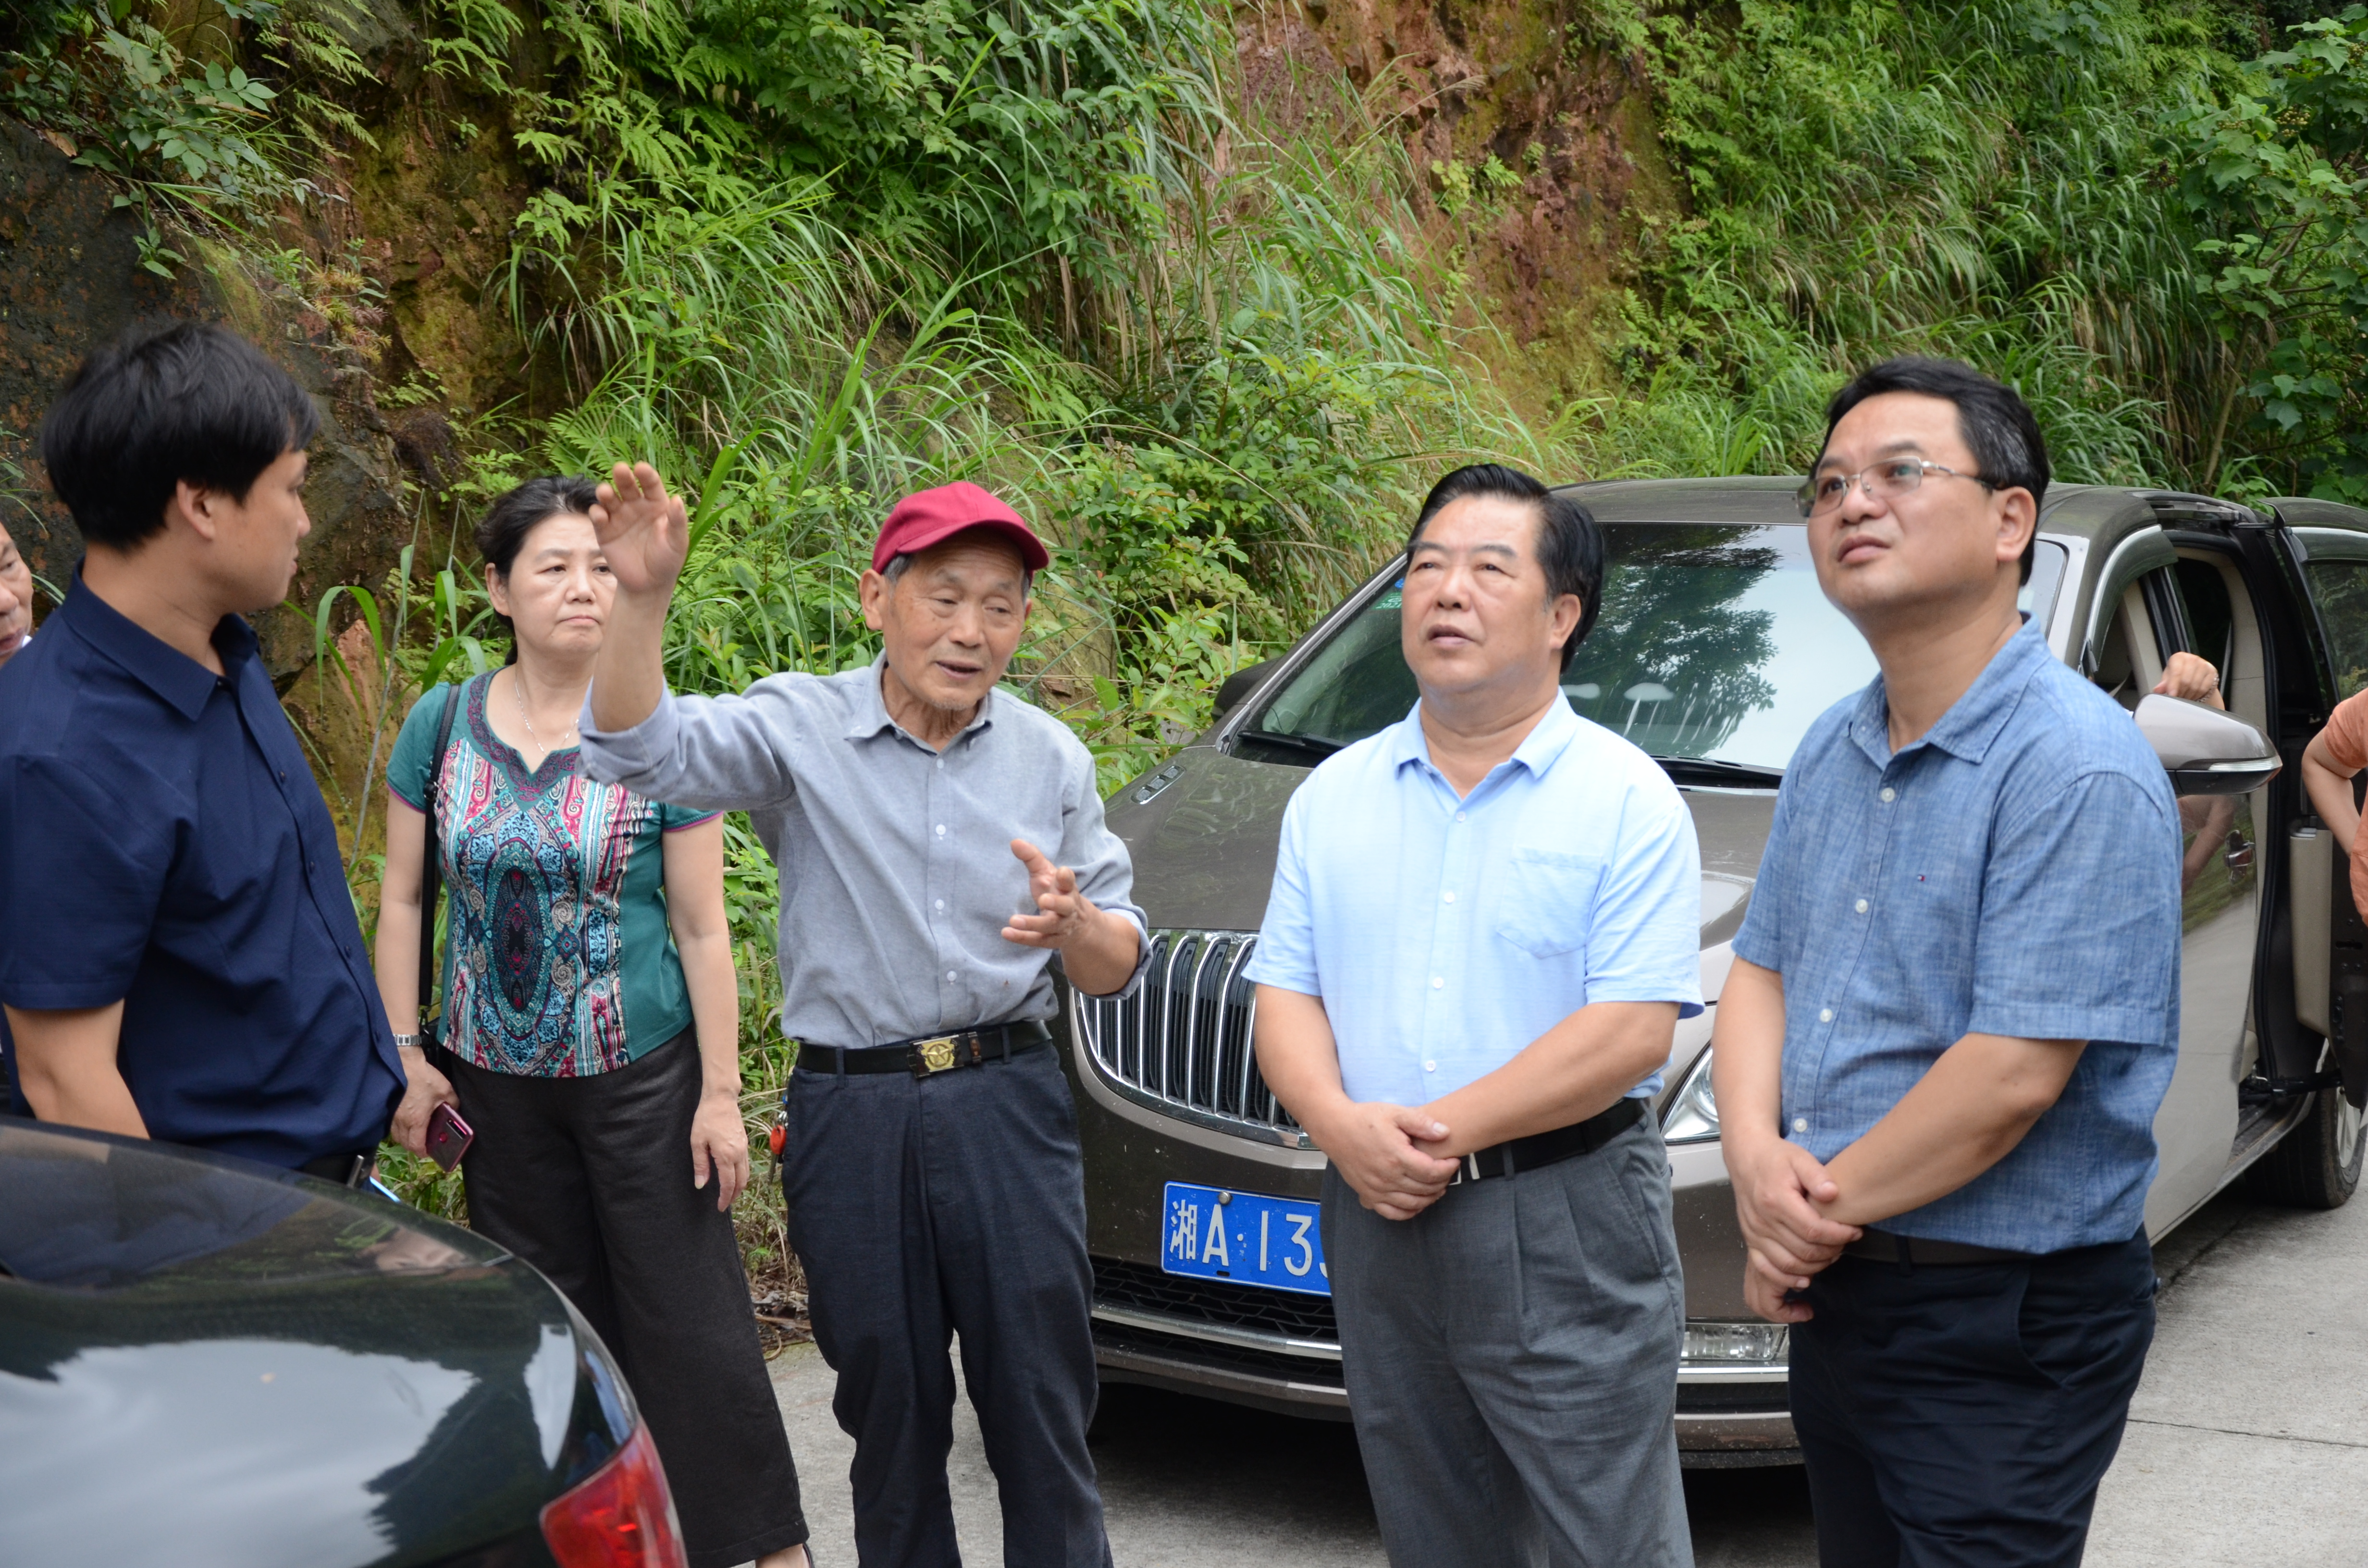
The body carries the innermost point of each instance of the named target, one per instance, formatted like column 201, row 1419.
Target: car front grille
column 1732, row 1399
column 1180, row 1042
column 1144, row 1289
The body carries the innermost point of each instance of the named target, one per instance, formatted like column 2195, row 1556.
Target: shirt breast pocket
column 1548, row 900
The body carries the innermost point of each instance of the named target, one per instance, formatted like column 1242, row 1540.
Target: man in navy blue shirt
column 178, row 955
column 1952, row 1015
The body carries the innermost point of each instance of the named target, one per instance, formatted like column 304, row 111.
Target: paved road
column 2248, row 1446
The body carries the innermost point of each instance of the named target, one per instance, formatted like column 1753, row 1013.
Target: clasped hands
column 1391, row 1155
column 1782, row 1196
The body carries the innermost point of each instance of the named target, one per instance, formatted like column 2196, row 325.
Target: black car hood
column 234, row 1365
column 1204, row 844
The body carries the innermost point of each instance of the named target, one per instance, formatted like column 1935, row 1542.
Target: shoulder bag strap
column 431, row 870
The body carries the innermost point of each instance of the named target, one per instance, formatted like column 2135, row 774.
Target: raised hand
column 644, row 531
column 1063, row 913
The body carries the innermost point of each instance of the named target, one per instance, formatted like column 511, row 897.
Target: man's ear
column 1569, row 610
column 197, row 507
column 2017, row 521
column 873, row 590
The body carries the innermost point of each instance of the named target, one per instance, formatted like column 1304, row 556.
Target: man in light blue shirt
column 1952, row 1015
column 1483, row 928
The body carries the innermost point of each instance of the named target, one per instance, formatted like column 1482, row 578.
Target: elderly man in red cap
column 931, row 1171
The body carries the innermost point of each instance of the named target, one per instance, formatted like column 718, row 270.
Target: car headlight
column 1692, row 1116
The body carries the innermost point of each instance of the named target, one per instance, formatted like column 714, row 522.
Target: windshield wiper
column 1710, row 770
column 1316, row 747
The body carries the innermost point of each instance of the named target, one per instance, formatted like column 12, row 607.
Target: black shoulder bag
column 431, row 869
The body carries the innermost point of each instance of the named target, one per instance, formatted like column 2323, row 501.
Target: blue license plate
column 1247, row 1237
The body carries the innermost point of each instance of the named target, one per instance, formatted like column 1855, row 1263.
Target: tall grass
column 1231, row 434
column 1984, row 178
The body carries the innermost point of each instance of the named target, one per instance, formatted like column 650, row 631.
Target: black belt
column 1550, row 1148
column 938, row 1053
column 343, row 1170
column 1883, row 1247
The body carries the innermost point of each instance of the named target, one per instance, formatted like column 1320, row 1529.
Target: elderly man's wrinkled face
column 16, row 599
column 951, row 619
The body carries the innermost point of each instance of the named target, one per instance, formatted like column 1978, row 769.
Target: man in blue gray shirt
column 1483, row 928
column 1952, row 1015
column 932, row 1171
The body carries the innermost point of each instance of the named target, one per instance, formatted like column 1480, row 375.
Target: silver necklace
column 518, row 690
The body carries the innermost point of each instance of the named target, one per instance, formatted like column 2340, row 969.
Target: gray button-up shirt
column 897, row 866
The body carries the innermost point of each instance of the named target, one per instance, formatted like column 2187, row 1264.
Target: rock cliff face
column 71, row 279
column 1535, row 134
column 385, row 306
column 1535, row 84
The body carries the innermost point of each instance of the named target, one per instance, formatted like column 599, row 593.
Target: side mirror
column 1240, row 684
column 2205, row 752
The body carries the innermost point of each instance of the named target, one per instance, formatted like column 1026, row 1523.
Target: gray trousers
column 1513, row 1363
column 923, row 1208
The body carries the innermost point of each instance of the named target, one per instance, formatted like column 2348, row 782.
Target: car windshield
column 1715, row 647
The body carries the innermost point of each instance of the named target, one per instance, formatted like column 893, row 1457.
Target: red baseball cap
column 932, row 517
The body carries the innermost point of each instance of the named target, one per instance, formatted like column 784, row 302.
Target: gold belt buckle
column 933, row 1055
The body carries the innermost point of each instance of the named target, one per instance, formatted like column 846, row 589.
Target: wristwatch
column 406, row 1042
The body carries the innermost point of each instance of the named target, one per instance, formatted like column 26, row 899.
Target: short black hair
column 501, row 533
column 1570, row 544
column 185, row 401
column 1993, row 421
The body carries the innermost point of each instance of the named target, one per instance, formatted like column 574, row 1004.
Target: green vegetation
column 2105, row 202
column 808, row 255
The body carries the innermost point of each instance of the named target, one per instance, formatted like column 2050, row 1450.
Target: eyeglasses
column 1897, row 477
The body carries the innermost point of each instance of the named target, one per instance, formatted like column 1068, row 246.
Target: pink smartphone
column 449, row 1137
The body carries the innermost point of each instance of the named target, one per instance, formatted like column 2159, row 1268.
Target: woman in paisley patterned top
column 590, row 1031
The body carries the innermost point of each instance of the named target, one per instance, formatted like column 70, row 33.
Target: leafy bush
column 1988, row 178
column 2279, row 182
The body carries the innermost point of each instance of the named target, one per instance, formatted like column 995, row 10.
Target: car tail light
column 618, row 1517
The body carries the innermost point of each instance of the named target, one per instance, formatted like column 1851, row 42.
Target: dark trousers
column 588, row 1179
column 923, row 1208
column 1963, row 1415
column 1511, row 1355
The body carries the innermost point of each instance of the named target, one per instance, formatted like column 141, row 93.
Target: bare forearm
column 1101, row 959
column 65, row 1065
column 2330, row 796
column 715, row 1010
column 398, row 964
column 702, row 936
column 1298, row 1057
column 399, row 890
column 1574, row 1070
column 1966, row 1114
column 1747, row 1055
column 629, row 676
